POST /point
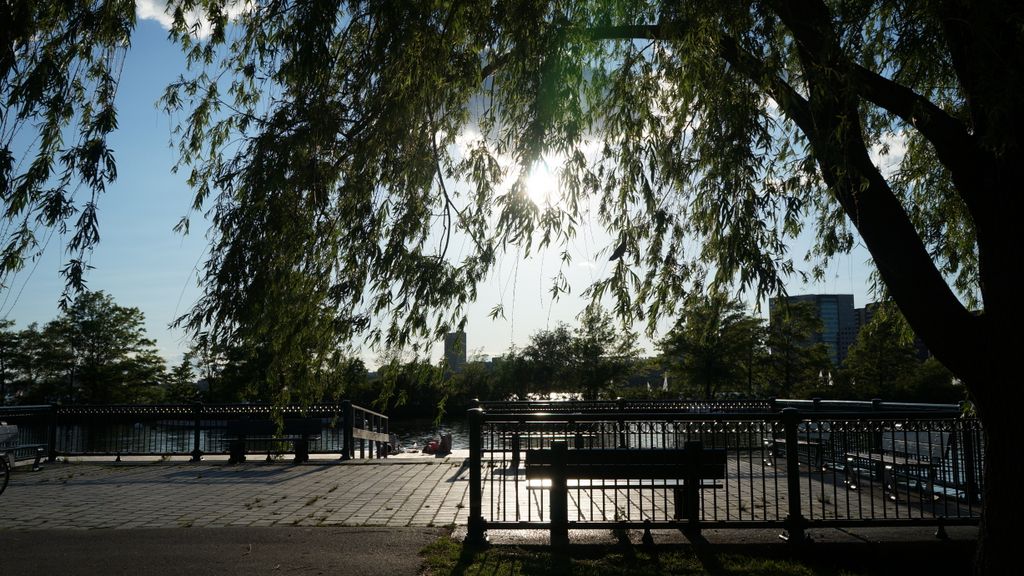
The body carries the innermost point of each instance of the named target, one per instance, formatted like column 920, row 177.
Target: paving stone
column 182, row 494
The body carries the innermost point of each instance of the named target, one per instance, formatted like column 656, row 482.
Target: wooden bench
column 9, row 445
column 686, row 468
column 907, row 455
column 812, row 442
column 299, row 431
column 580, row 440
column 810, row 452
column 9, row 448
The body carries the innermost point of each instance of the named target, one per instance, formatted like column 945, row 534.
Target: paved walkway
column 326, row 517
column 398, row 492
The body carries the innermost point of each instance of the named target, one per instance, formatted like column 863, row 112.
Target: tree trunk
column 1002, row 504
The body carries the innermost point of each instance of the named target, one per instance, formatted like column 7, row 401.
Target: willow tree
column 713, row 345
column 343, row 150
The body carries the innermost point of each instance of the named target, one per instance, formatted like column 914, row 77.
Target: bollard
column 197, row 414
column 51, row 435
column 620, row 404
column 349, row 417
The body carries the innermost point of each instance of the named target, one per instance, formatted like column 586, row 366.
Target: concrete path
column 422, row 492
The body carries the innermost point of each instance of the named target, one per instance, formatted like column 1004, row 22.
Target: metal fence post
column 794, row 521
column 969, row 433
column 197, row 415
column 620, row 405
column 348, row 416
column 51, row 435
column 559, row 498
column 476, row 533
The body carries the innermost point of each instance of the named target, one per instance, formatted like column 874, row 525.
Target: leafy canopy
column 342, row 152
column 713, row 345
column 95, row 352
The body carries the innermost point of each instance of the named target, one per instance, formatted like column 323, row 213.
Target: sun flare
column 542, row 184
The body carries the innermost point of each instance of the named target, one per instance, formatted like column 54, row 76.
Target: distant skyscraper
column 838, row 322
column 865, row 314
column 455, row 350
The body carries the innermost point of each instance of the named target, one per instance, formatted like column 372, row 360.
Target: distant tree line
column 97, row 352
column 717, row 349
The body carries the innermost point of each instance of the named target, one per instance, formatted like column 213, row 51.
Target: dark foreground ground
column 411, row 551
column 448, row 557
column 196, row 551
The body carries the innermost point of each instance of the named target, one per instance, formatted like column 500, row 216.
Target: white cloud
column 157, row 10
column 895, row 146
column 153, row 10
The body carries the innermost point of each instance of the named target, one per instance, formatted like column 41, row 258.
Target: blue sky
column 143, row 263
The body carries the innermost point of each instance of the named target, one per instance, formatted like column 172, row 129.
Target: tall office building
column 865, row 314
column 455, row 350
column 838, row 322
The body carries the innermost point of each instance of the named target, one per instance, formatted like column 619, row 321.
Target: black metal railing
column 819, row 466
column 624, row 405
column 185, row 429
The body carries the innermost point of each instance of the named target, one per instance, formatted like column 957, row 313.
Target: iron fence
column 184, row 429
column 821, row 466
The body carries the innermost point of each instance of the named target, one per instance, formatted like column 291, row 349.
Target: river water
column 415, row 434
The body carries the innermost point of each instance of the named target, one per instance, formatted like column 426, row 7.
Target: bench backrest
column 292, row 427
column 625, row 464
column 8, row 435
column 919, row 444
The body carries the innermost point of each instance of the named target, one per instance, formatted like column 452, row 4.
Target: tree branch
column 911, row 276
column 790, row 101
column 830, row 118
column 955, row 147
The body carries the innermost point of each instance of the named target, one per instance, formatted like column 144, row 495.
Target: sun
column 542, row 184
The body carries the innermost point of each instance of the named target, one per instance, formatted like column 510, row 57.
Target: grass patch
column 448, row 557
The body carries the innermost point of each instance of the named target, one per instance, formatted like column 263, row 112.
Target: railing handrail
column 26, row 408
column 368, row 411
column 854, row 446
column 714, row 416
column 876, row 404
column 51, row 425
column 709, row 406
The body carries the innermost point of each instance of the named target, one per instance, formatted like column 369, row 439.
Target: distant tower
column 838, row 320
column 455, row 350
